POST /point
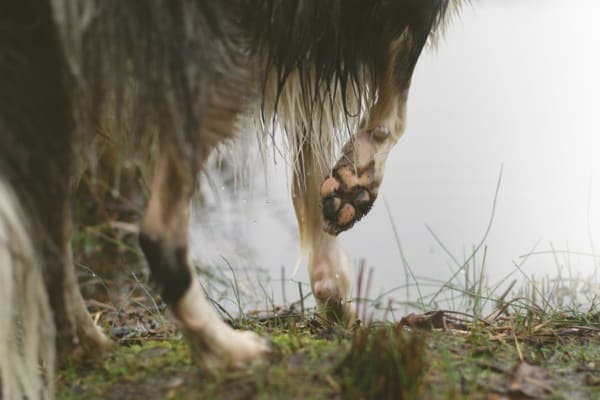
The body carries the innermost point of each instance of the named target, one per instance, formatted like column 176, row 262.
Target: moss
column 317, row 362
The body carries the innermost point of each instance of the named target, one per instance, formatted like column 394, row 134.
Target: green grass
column 313, row 359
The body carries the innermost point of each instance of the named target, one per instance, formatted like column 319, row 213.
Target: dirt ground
column 438, row 355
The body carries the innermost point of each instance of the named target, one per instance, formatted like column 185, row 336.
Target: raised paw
column 349, row 192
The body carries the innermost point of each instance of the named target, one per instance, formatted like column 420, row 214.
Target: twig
column 301, row 298
column 283, row 286
column 518, row 346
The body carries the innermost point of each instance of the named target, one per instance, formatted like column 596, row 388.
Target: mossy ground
column 313, row 359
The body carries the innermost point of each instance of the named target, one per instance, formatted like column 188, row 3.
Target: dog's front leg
column 164, row 240
column 327, row 263
column 349, row 191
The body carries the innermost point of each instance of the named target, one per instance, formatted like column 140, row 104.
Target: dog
column 329, row 75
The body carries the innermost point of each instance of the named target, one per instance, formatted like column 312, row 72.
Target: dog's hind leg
column 164, row 240
column 352, row 186
column 89, row 340
column 327, row 263
column 77, row 334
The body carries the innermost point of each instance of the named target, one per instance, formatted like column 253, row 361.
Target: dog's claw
column 331, row 206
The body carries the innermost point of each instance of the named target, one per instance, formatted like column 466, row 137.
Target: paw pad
column 343, row 206
column 349, row 192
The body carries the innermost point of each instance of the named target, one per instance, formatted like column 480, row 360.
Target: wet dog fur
column 328, row 75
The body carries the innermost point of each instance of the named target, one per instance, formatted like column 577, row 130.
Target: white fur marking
column 194, row 310
column 27, row 333
column 220, row 343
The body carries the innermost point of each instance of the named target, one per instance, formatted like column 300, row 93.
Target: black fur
column 169, row 271
column 341, row 41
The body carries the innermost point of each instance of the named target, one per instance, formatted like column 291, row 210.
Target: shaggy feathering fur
column 312, row 63
column 27, row 334
column 319, row 63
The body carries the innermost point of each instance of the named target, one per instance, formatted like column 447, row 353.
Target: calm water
column 514, row 84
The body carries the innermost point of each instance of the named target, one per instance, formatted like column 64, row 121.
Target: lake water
column 514, row 85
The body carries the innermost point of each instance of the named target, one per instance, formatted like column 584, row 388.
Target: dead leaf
column 435, row 320
column 429, row 320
